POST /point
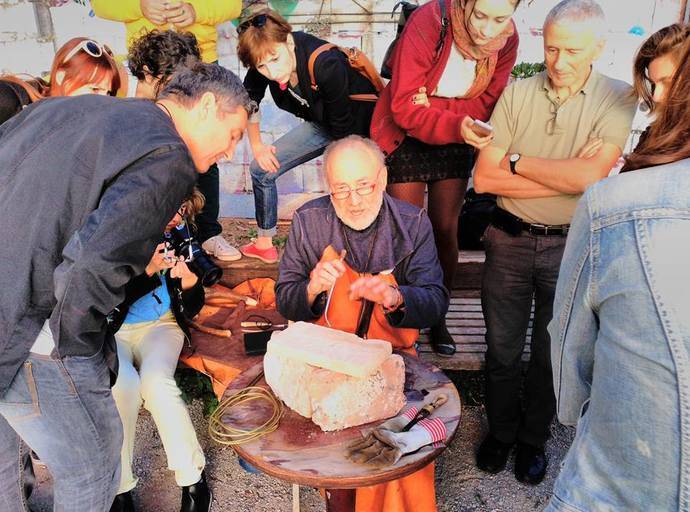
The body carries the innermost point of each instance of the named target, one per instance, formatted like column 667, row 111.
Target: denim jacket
column 620, row 345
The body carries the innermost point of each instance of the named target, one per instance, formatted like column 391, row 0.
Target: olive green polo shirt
column 528, row 119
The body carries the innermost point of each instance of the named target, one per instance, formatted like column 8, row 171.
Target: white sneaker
column 220, row 248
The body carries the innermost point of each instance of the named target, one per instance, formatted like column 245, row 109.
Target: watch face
column 515, row 157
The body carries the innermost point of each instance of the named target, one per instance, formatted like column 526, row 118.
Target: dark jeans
column 207, row 224
column 517, row 269
column 64, row 411
column 207, row 221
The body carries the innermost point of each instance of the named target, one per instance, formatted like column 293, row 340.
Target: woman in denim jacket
column 621, row 328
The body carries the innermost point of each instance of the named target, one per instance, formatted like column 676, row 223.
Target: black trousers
column 207, row 221
column 517, row 270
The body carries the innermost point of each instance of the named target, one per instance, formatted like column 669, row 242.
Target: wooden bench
column 465, row 323
column 464, row 319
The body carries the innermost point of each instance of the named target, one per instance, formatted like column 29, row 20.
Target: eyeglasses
column 182, row 211
column 553, row 127
column 257, row 21
column 91, row 47
column 363, row 190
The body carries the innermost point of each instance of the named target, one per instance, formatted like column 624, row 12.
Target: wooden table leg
column 295, row 498
column 340, row 500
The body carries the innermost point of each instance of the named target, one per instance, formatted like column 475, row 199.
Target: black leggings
column 207, row 221
column 445, row 201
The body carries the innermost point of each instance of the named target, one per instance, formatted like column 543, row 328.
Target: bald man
column 375, row 257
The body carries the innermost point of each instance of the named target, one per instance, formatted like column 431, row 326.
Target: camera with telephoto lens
column 180, row 240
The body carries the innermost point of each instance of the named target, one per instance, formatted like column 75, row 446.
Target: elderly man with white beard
column 361, row 261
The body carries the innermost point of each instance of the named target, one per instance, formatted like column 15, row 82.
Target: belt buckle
column 538, row 229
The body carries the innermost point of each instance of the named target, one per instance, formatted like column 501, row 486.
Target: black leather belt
column 514, row 225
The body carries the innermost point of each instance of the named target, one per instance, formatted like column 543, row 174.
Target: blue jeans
column 299, row 145
column 64, row 411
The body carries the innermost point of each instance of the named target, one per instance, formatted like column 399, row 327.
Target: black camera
column 180, row 240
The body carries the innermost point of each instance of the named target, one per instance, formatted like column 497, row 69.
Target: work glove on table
column 387, row 443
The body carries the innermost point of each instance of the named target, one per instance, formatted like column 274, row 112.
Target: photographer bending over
column 151, row 328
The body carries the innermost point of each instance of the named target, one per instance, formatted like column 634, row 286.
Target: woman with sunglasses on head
column 80, row 66
column 278, row 60
column 445, row 75
column 151, row 326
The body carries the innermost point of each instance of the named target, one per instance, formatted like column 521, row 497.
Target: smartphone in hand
column 481, row 128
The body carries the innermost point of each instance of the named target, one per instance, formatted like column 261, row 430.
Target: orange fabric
column 219, row 372
column 343, row 313
column 223, row 359
column 261, row 288
column 413, row 493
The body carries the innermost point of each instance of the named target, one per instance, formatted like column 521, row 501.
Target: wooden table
column 301, row 453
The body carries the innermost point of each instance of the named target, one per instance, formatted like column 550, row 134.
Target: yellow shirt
column 209, row 14
column 528, row 119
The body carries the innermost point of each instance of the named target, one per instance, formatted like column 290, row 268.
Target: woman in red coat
column 443, row 79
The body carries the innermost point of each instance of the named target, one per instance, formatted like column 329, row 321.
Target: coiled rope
column 228, row 435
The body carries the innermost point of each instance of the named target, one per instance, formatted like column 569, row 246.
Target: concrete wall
column 345, row 22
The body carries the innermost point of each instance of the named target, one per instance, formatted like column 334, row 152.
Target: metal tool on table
column 262, row 324
column 398, row 436
column 426, row 411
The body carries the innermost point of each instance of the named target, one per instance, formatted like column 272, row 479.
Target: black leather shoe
column 123, row 503
column 197, row 497
column 530, row 464
column 441, row 340
column 493, row 455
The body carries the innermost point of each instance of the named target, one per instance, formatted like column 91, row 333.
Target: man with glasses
column 82, row 212
column 555, row 134
column 361, row 261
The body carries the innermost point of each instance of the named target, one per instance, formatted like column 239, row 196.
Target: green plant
column 527, row 69
column 194, row 384
column 279, row 241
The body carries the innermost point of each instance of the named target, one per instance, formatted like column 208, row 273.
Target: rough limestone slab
column 330, row 349
column 332, row 399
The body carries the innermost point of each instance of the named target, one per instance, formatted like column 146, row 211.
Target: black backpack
column 406, row 10
column 475, row 217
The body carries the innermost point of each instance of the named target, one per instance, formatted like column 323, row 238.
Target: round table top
column 301, row 453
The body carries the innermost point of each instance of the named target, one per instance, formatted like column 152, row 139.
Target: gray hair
column 354, row 141
column 578, row 11
column 189, row 84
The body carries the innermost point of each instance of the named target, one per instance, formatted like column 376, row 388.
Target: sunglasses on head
column 257, row 21
column 91, row 47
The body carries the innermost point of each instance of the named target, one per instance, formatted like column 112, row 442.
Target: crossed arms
column 543, row 177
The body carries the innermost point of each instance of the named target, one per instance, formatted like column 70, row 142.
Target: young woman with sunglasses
column 80, row 66
column 278, row 59
column 445, row 75
column 151, row 326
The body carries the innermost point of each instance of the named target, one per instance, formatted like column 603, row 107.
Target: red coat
column 413, row 67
